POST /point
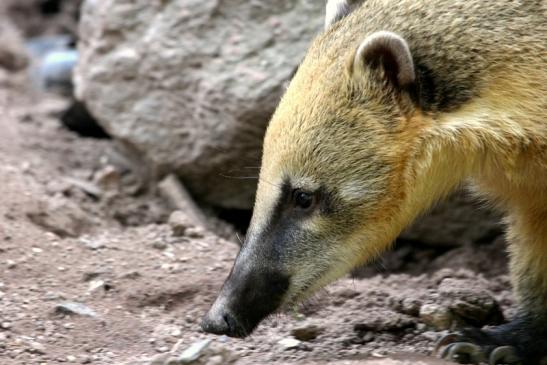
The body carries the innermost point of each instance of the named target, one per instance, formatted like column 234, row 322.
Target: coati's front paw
column 475, row 347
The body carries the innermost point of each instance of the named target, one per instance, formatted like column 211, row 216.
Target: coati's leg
column 524, row 339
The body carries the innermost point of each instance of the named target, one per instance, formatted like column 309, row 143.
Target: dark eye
column 303, row 199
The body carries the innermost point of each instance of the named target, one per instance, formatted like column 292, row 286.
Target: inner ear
column 390, row 52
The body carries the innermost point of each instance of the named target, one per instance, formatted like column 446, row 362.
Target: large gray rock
column 13, row 56
column 191, row 84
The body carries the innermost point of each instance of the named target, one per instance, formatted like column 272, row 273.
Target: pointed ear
column 338, row 9
column 390, row 53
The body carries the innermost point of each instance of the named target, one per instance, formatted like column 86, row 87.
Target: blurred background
column 130, row 145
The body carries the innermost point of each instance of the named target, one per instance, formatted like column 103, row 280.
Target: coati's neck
column 440, row 165
column 485, row 141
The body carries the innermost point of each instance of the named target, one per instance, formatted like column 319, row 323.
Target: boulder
column 191, row 85
column 13, row 56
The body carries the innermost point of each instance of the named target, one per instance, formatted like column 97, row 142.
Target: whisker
column 240, row 177
column 249, row 178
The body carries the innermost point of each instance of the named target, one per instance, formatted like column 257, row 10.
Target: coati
column 396, row 104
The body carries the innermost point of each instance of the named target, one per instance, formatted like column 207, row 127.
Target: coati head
column 333, row 185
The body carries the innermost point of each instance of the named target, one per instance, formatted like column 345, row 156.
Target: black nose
column 222, row 322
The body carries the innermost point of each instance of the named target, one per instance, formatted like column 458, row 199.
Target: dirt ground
column 90, row 273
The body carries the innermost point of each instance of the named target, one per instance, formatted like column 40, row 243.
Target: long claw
column 445, row 354
column 444, row 341
column 504, row 355
column 463, row 353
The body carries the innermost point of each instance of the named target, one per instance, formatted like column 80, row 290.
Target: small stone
column 91, row 243
column 59, row 215
column 86, row 186
column 160, row 359
column 75, row 308
column 58, row 187
column 108, row 178
column 179, row 223
column 289, row 343
column 37, row 347
column 172, row 361
column 410, row 306
column 437, row 316
column 385, row 321
column 71, row 358
column 94, row 274
column 346, row 293
column 130, row 275
column 11, row 264
column 307, row 332
column 176, row 346
column 431, row 335
column 159, row 245
column 50, row 295
column 176, row 332
column 369, row 336
column 5, row 325
column 469, row 302
column 194, row 351
column 195, row 232
column 94, row 285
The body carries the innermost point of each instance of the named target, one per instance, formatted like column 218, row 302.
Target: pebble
column 108, row 178
column 410, row 306
column 130, row 275
column 160, row 359
column 289, row 343
column 94, row 285
column 194, row 351
column 75, row 308
column 385, row 321
column 179, row 223
column 93, row 274
column 307, row 332
column 195, row 232
column 437, row 316
column 92, row 244
column 159, row 245
column 11, row 264
column 86, row 186
column 37, row 347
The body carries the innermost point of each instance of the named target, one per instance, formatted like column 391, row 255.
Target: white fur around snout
column 394, row 44
column 337, row 9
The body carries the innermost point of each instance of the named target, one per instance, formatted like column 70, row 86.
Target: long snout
column 247, row 297
column 221, row 321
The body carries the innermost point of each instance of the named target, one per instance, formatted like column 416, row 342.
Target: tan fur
column 337, row 128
